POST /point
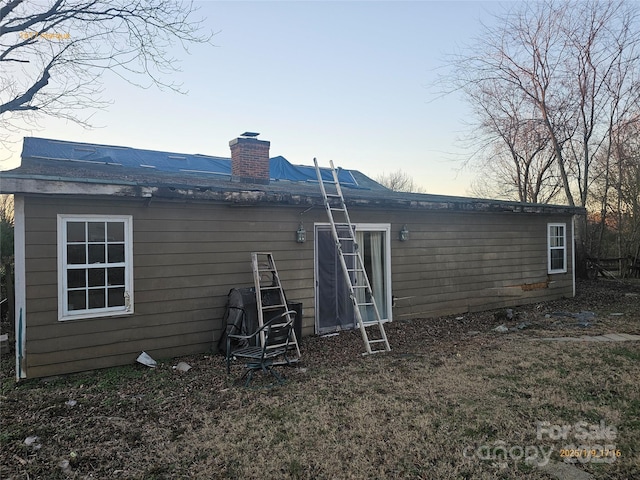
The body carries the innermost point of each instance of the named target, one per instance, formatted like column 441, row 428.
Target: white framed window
column 557, row 247
column 95, row 266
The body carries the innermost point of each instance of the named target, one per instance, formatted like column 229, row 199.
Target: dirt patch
column 454, row 399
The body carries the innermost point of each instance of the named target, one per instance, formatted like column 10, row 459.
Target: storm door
column 334, row 310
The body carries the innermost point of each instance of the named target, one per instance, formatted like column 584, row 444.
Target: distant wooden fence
column 622, row 267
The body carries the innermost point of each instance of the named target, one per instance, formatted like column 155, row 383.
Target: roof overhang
column 242, row 194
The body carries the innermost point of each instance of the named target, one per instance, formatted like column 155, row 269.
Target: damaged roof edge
column 236, row 194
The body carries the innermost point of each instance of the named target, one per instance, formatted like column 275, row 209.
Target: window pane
column 96, row 231
column 557, row 259
column 76, row 278
column 76, row 300
column 75, row 232
column 96, row 253
column 116, row 297
column 76, row 254
column 96, row 277
column 97, row 298
column 116, row 253
column 557, row 241
column 115, row 231
column 115, row 276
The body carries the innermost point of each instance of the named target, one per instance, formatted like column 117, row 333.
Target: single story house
column 121, row 250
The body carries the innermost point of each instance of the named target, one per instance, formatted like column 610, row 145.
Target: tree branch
column 21, row 103
column 54, row 76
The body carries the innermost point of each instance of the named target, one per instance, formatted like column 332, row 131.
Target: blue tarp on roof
column 280, row 168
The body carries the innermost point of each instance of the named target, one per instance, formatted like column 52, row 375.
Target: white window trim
column 549, row 248
column 127, row 309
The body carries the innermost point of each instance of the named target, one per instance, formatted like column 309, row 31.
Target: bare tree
column 399, row 181
column 53, row 53
column 572, row 68
column 617, row 191
column 576, row 68
column 515, row 161
column 507, row 174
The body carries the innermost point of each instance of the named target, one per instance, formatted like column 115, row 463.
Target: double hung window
column 95, row 271
column 557, row 247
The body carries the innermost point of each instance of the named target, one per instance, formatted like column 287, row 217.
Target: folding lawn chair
column 272, row 352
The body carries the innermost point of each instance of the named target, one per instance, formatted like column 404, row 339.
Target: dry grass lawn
column 454, row 399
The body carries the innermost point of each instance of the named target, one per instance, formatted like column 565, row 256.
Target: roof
column 61, row 167
column 176, row 163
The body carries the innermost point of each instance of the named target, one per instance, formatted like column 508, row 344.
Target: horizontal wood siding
column 460, row 262
column 186, row 259
column 187, row 256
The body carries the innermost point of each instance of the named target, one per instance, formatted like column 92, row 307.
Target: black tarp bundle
column 240, row 318
column 241, row 315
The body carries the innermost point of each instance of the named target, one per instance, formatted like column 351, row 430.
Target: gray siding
column 461, row 262
column 187, row 256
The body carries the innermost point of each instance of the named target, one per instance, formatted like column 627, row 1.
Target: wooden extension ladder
column 355, row 275
column 270, row 298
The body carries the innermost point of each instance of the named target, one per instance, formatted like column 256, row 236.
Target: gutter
column 57, row 185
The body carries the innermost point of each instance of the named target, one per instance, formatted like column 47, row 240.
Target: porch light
column 301, row 234
column 404, row 234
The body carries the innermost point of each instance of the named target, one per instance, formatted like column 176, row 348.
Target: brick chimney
column 249, row 159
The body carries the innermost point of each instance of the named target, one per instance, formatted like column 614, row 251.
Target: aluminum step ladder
column 355, row 275
column 270, row 298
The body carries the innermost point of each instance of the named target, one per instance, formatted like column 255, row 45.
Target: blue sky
column 345, row 81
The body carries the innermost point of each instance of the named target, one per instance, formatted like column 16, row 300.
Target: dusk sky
column 337, row 80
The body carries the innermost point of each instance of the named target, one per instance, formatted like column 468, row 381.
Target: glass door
column 334, row 309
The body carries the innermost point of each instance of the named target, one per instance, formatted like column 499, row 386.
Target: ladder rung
column 381, row 340
column 364, row 305
column 347, row 238
column 267, row 270
column 272, row 307
column 273, row 287
column 334, row 195
column 371, row 324
column 335, row 209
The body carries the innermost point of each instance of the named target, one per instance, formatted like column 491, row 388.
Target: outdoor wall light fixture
column 404, row 234
column 301, row 234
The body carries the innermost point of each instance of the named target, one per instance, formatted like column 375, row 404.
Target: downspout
column 573, row 255
column 20, row 286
